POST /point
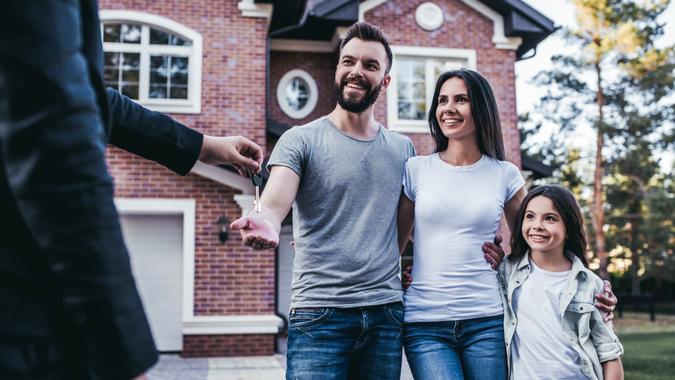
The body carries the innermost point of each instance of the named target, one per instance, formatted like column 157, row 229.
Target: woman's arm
column 511, row 209
column 612, row 369
column 406, row 214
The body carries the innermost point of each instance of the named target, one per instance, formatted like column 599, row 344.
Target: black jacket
column 64, row 269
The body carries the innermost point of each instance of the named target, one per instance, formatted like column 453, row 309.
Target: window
column 414, row 75
column 152, row 60
column 297, row 94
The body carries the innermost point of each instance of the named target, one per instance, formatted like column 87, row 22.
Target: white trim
column 249, row 8
column 311, row 101
column 192, row 105
column 429, row 16
column 420, row 126
column 162, row 206
column 224, row 177
column 367, row 5
column 498, row 37
column 233, row 324
column 280, row 44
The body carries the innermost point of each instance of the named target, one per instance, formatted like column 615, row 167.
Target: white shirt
column 457, row 209
column 540, row 347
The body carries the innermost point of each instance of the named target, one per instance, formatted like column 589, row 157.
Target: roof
column 317, row 20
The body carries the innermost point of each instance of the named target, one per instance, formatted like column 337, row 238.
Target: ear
column 385, row 82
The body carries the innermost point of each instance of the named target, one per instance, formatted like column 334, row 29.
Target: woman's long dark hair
column 483, row 109
column 568, row 208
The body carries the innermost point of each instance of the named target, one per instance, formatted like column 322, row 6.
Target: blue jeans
column 465, row 349
column 356, row 343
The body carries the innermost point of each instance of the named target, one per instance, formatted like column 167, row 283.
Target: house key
column 257, row 181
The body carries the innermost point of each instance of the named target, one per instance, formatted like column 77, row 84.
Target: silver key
column 257, row 181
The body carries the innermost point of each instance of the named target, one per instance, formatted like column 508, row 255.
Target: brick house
column 255, row 68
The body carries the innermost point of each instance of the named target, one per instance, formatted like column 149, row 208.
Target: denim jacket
column 582, row 322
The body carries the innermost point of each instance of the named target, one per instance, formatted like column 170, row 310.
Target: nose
column 448, row 107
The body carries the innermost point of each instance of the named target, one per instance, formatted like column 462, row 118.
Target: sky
column 562, row 14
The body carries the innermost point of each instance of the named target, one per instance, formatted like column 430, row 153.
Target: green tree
column 611, row 63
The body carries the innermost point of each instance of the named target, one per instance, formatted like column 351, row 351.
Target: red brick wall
column 463, row 28
column 227, row 345
column 321, row 66
column 229, row 278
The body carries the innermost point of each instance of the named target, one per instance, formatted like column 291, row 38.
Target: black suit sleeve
column 152, row 135
column 52, row 145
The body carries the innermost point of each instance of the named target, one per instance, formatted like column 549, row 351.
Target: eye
column 529, row 216
column 442, row 100
column 462, row 100
column 372, row 66
column 550, row 218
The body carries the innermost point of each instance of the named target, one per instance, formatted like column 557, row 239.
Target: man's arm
column 158, row 137
column 405, row 220
column 261, row 231
column 612, row 369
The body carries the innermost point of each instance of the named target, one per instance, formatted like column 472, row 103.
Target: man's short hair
column 368, row 32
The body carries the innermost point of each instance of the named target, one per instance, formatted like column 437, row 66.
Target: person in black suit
column 69, row 307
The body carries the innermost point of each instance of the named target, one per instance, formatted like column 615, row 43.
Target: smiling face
column 454, row 110
column 543, row 227
column 360, row 74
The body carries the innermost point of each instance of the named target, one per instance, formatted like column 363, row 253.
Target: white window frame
column 467, row 56
column 191, row 105
column 311, row 100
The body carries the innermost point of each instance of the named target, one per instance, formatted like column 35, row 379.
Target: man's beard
column 352, row 105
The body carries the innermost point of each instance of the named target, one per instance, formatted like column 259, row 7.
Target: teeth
column 537, row 238
column 451, row 122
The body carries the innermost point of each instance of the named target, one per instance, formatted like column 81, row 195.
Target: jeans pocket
column 395, row 313
column 305, row 317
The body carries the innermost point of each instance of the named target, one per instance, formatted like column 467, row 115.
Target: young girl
column 552, row 328
column 453, row 311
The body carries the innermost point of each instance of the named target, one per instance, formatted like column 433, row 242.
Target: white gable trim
column 367, row 5
column 163, row 206
column 249, row 8
column 224, row 177
column 498, row 37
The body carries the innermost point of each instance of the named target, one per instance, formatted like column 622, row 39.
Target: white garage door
column 155, row 244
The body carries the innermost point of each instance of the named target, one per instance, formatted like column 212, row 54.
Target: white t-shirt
column 457, row 209
column 540, row 348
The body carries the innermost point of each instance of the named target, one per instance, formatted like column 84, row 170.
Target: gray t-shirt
column 344, row 215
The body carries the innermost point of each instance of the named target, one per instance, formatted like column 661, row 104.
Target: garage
column 155, row 244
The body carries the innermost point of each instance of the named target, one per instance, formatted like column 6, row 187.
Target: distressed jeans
column 355, row 343
column 455, row 350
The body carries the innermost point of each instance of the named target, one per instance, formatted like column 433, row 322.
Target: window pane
column 420, row 111
column 404, row 90
column 178, row 92
column 297, row 93
column 157, row 92
column 111, row 32
column 418, row 71
column 158, row 37
column 130, row 90
column 180, row 78
column 179, row 64
column 131, row 33
column 111, row 69
column 126, row 64
column 419, row 91
column 404, row 110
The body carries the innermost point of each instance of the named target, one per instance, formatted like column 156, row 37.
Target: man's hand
column 493, row 252
column 141, row 377
column 406, row 278
column 606, row 302
column 256, row 231
column 238, row 151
